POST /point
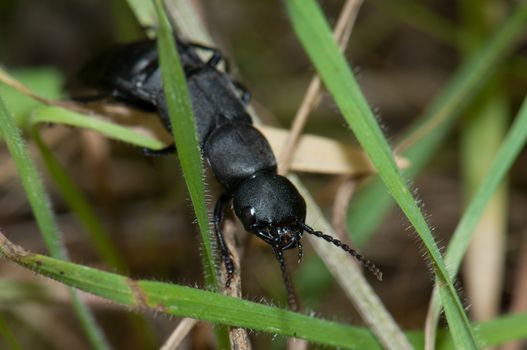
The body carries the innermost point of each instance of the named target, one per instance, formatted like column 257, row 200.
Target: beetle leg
column 215, row 60
column 219, row 212
column 161, row 152
column 245, row 95
column 216, row 57
column 138, row 93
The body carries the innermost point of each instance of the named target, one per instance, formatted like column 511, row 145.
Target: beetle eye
column 248, row 216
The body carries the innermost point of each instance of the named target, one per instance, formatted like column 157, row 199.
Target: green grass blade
column 482, row 135
column 46, row 80
column 7, row 335
column 315, row 35
column 89, row 323
column 496, row 332
column 32, row 184
column 100, row 238
column 372, row 203
column 191, row 302
column 492, row 333
column 352, row 280
column 188, row 148
column 144, row 11
column 484, row 127
column 185, row 136
column 511, row 147
column 50, row 83
column 133, row 133
column 43, row 214
column 58, row 115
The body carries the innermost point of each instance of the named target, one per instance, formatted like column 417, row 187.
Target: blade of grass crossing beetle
column 191, row 302
column 41, row 207
column 185, row 136
column 187, row 146
column 315, row 35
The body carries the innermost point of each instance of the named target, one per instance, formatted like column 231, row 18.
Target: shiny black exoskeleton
column 241, row 159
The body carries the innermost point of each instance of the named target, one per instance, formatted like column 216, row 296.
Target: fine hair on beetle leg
column 365, row 262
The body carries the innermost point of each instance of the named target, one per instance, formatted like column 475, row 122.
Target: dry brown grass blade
column 297, row 344
column 331, row 157
column 15, row 84
column 316, row 154
column 239, row 336
column 487, row 253
column 312, row 97
column 349, row 276
column 343, row 197
column 178, row 335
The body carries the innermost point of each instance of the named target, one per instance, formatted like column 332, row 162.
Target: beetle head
column 270, row 206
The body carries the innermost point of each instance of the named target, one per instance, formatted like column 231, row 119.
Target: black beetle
column 241, row 159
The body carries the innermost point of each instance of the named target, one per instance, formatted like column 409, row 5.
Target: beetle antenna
column 368, row 264
column 300, row 251
column 291, row 298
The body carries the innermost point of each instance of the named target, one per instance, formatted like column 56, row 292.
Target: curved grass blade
column 185, row 301
column 191, row 302
column 372, row 202
column 511, row 147
column 315, row 35
column 485, row 124
column 496, row 332
column 44, row 216
column 20, row 95
column 492, row 333
column 78, row 203
column 58, row 115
